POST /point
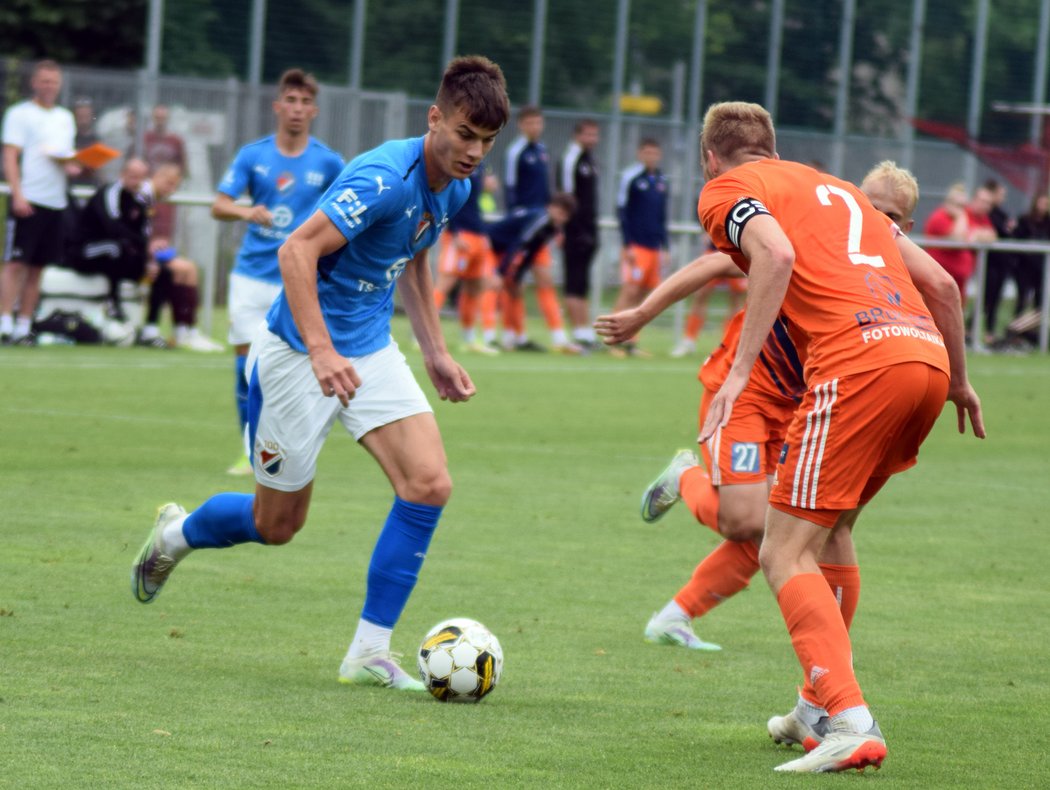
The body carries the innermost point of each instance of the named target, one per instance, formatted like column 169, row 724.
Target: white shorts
column 289, row 419
column 249, row 300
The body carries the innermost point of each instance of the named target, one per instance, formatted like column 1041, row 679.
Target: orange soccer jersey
column 851, row 303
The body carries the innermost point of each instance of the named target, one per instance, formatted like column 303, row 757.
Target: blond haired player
column 880, row 360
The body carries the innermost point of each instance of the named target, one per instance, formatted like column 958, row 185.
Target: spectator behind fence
column 37, row 157
column 110, row 234
column 175, row 279
column 84, row 117
column 953, row 219
column 1001, row 265
column 578, row 175
column 161, row 146
column 1032, row 226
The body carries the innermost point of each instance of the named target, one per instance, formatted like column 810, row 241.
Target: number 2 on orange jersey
column 856, row 224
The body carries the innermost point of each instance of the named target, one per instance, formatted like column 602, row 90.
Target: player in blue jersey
column 284, row 175
column 327, row 356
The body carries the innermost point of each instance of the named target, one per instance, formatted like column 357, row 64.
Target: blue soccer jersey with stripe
column 383, row 206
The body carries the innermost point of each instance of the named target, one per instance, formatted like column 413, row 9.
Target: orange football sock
column 489, row 299
column 468, row 308
column 844, row 582
column 721, row 574
column 439, row 299
column 693, row 325
column 547, row 298
column 821, row 640
column 700, row 496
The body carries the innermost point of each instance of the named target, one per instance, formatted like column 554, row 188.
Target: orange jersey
column 776, row 376
column 851, row 305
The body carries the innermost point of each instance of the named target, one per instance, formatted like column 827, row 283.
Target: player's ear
column 776, row 155
column 908, row 226
column 434, row 116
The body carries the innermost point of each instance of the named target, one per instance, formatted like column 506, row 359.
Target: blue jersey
column 469, row 217
column 527, row 178
column 288, row 186
column 642, row 207
column 383, row 206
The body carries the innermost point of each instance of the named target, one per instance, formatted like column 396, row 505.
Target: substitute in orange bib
column 878, row 327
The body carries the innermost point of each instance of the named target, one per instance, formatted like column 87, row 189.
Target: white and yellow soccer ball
column 460, row 660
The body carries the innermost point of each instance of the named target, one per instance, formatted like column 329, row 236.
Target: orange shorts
column 645, row 271
column 850, row 434
column 746, row 450
column 470, row 258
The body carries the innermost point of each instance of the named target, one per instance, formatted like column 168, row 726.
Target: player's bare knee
column 429, row 489
column 278, row 532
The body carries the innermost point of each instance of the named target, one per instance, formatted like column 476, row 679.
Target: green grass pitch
column 228, row 680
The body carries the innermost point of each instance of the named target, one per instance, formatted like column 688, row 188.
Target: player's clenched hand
column 260, row 215
column 619, row 327
column 967, row 403
column 335, row 374
column 450, row 379
column 721, row 407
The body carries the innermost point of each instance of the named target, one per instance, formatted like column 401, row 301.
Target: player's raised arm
column 941, row 295
column 622, row 326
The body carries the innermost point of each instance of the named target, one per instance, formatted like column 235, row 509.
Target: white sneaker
column 154, row 564
column 193, row 340
column 479, row 348
column 663, row 491
column 791, row 729
column 840, row 751
column 378, row 669
column 683, row 348
column 676, row 631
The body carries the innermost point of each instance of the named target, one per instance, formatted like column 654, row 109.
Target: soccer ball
column 460, row 660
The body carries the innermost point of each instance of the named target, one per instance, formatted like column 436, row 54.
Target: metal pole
column 1044, row 308
column 973, row 117
column 911, row 99
column 357, row 47
column 256, row 42
column 448, row 49
column 977, row 319
column 696, row 92
column 357, row 44
column 612, row 152
column 776, row 36
column 154, row 29
column 838, row 153
column 539, row 32
column 1039, row 78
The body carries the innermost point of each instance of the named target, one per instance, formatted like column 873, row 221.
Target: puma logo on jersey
column 381, row 187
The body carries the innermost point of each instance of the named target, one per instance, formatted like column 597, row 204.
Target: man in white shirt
column 37, row 157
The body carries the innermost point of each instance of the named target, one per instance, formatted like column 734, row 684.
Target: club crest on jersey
column 424, row 223
column 285, row 181
column 270, row 458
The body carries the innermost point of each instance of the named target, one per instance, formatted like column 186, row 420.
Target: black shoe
column 530, row 345
column 152, row 342
column 28, row 339
column 5, row 340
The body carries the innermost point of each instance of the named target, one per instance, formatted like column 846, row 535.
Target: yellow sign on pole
column 642, row 105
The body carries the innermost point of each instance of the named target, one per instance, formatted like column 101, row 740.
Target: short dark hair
column 297, row 79
column 564, row 201
column 584, row 123
column 992, row 184
column 46, row 65
column 476, row 85
column 528, row 111
column 649, row 142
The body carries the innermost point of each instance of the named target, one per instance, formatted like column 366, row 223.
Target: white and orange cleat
column 841, row 751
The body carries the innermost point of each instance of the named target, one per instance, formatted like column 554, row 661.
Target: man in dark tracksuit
column 578, row 175
column 111, row 235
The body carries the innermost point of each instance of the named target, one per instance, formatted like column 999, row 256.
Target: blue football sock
column 396, row 560
column 241, row 390
column 223, row 521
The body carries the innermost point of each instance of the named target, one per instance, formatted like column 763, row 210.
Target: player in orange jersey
column 742, row 458
column 879, row 364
